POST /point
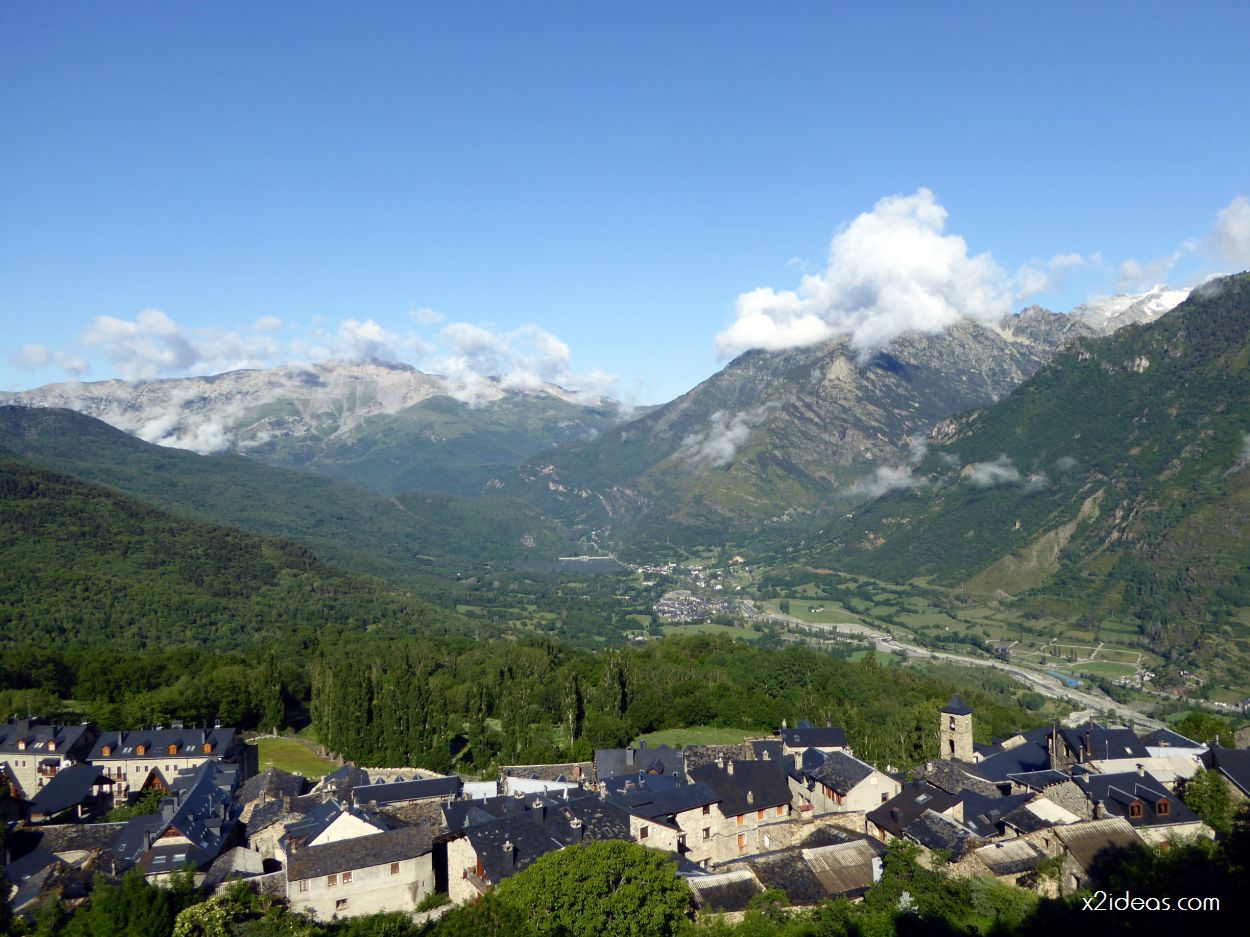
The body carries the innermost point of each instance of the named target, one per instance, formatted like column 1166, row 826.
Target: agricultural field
column 697, row 735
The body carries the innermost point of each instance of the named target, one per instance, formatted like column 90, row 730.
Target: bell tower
column 955, row 730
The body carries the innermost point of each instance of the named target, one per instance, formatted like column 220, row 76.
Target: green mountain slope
column 1115, row 482
column 85, row 565
column 782, row 436
column 392, row 537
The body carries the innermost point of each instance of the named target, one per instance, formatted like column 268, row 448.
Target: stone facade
column 390, row 886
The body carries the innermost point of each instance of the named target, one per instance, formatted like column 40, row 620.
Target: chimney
column 767, row 757
column 576, row 826
column 629, row 758
column 509, row 854
column 729, row 768
column 288, row 803
column 750, row 797
column 1141, row 771
column 1100, row 810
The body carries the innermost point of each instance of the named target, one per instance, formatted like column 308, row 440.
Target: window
column 707, row 833
column 759, row 814
column 394, row 868
column 1134, row 809
column 707, row 809
column 781, row 809
column 885, row 795
column 303, row 885
column 741, row 818
column 1164, row 808
column 331, row 881
column 742, row 842
column 347, row 878
column 340, row 904
column 642, row 833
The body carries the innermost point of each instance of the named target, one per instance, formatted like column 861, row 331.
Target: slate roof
column 1234, row 764
column 1039, row 780
column 841, row 772
column 770, row 747
column 937, row 831
column 339, row 783
column 319, row 818
column 562, row 772
column 983, row 814
column 610, row 762
column 239, row 862
column 21, row 869
column 1020, row 759
column 954, row 777
column 528, row 840
column 359, row 852
column 266, row 815
column 663, row 805
column 272, row 784
column 459, row 814
column 628, row 783
column 914, row 799
column 1166, row 738
column 957, row 707
column 724, row 891
column 398, row 792
column 808, row 736
column 1099, row 744
column 1024, row 819
column 753, row 785
column 70, row 787
column 1091, row 839
column 788, row 871
column 1117, row 791
column 124, row 744
column 62, row 838
column 37, row 733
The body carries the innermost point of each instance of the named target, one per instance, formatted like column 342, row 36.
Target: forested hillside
column 1114, row 482
column 86, row 566
column 396, row 538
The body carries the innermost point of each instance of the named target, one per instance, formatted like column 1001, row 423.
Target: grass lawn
column 292, row 755
column 832, row 613
column 884, row 658
column 1106, row 668
column 696, row 735
column 709, row 628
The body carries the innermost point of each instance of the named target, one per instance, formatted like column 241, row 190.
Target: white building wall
column 372, row 890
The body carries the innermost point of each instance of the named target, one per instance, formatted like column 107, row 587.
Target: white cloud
column 1065, row 463
column 890, row 271
column 1136, row 276
column 1230, row 238
column 895, row 477
column 481, row 362
column 989, row 474
column 716, row 446
column 1037, row 481
column 147, row 347
column 364, row 340
column 1034, row 278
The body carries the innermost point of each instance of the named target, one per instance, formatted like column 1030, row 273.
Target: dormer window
column 106, row 751
column 173, row 748
column 141, row 750
column 1134, row 809
column 208, row 748
column 1164, row 807
column 21, row 745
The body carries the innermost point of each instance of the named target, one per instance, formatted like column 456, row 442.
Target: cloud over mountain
column 892, row 270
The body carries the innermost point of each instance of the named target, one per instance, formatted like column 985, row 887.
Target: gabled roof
column 665, row 804
column 913, row 800
column 1039, row 780
column 1011, row 857
column 319, row 819
column 41, row 737
column 360, row 852
column 752, row 785
column 460, row 814
column 1100, row 744
column 1022, row 759
column 841, row 772
column 70, row 787
column 187, row 742
column 954, row 777
column 770, row 747
column 272, row 784
column 1166, row 738
column 843, row 868
column 1117, row 792
column 1091, row 840
column 628, row 783
column 1234, row 764
column 807, row 736
column 609, row 762
column 956, row 707
column 938, row 831
column 404, row 791
column 724, row 891
column 983, row 814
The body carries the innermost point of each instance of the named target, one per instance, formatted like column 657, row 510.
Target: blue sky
column 593, row 191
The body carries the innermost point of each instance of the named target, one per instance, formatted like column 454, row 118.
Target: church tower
column 956, row 730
